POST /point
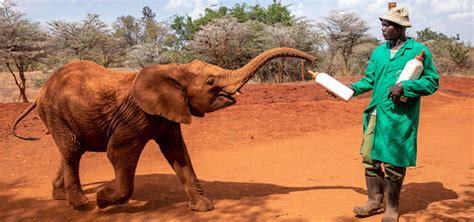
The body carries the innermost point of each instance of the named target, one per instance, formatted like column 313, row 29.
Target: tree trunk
column 106, row 61
column 346, row 65
column 21, row 73
column 23, row 97
column 302, row 70
column 280, row 72
column 22, row 84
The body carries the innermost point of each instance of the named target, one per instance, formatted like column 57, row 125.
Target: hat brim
column 395, row 20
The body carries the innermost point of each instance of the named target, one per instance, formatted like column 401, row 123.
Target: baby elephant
column 87, row 107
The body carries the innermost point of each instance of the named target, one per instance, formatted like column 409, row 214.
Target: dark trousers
column 375, row 167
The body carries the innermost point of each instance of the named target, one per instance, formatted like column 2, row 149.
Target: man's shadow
column 160, row 190
column 417, row 196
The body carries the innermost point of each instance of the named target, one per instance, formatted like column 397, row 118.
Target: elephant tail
column 23, row 114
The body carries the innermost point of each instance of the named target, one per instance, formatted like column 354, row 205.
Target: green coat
column 395, row 134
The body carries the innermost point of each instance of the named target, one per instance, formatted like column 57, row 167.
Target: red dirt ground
column 285, row 152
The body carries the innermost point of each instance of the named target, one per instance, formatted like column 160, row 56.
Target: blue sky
column 447, row 16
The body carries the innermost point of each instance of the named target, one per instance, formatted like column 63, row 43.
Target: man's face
column 390, row 30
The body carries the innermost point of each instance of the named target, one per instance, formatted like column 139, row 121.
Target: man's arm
column 366, row 83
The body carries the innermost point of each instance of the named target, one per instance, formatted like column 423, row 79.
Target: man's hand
column 396, row 92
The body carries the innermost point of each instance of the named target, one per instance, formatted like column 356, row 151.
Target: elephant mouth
column 222, row 99
column 219, row 101
column 225, row 98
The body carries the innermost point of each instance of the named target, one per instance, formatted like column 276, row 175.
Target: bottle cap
column 392, row 5
column 421, row 56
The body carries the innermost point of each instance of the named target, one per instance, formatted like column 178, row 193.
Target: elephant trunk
column 244, row 74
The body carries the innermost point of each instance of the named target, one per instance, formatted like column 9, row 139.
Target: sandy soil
column 285, row 152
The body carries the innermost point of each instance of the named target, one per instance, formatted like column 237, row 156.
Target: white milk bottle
column 331, row 84
column 412, row 70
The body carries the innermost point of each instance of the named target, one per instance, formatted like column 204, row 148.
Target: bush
column 450, row 55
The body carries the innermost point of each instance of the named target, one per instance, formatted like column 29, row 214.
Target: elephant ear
column 158, row 93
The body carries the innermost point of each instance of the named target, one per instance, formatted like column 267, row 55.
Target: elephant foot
column 80, row 202
column 59, row 193
column 201, row 204
column 106, row 197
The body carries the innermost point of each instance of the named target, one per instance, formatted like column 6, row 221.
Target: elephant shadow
column 160, row 190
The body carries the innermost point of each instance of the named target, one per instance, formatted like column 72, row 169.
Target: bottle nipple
column 421, row 56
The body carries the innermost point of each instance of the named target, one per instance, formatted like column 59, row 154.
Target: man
column 390, row 125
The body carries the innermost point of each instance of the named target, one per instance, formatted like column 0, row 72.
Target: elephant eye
column 210, row 82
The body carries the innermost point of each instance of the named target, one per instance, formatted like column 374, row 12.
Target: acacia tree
column 22, row 44
column 111, row 50
column 80, row 39
column 343, row 32
column 153, row 32
column 151, row 39
column 128, row 29
column 144, row 54
column 223, row 42
column 231, row 37
column 185, row 27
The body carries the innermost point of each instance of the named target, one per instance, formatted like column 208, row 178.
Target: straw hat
column 397, row 15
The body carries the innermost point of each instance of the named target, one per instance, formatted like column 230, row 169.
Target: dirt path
column 285, row 152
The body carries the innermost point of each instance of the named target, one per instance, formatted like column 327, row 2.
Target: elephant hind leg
column 59, row 190
column 71, row 152
column 124, row 160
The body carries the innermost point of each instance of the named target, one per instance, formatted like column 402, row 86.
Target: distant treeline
column 228, row 37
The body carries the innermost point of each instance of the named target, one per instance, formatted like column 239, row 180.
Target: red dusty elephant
column 87, row 107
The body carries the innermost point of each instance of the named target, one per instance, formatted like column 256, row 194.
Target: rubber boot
column 392, row 201
column 375, row 193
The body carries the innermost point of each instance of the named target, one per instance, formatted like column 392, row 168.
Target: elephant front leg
column 174, row 149
column 197, row 200
column 124, row 160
